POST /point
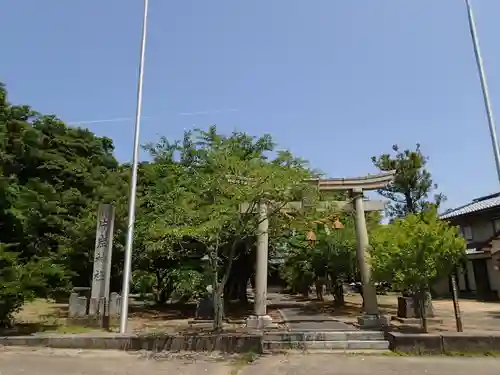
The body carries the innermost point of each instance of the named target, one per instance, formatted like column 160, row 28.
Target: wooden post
column 456, row 306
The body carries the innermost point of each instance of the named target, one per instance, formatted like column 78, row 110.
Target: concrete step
column 355, row 345
column 341, row 352
column 325, row 336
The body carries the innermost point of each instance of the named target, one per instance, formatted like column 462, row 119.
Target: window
column 467, row 232
column 496, row 224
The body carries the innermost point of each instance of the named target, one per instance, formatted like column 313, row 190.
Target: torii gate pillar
column 260, row 319
column 371, row 318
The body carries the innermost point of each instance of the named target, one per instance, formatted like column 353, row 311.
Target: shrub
column 18, row 283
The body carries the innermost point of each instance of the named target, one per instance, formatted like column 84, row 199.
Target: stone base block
column 407, row 307
column 373, row 321
column 80, row 306
column 260, row 322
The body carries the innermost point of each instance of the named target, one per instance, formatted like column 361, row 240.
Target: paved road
column 17, row 361
column 331, row 364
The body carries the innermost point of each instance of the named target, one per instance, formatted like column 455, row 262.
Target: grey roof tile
column 476, row 205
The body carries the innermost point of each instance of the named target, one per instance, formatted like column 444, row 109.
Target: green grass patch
column 446, row 354
column 390, row 353
column 73, row 329
column 472, row 354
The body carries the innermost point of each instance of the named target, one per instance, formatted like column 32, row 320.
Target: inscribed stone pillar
column 102, row 255
column 369, row 291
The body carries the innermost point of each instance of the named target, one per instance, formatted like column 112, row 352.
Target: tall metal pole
column 484, row 86
column 133, row 180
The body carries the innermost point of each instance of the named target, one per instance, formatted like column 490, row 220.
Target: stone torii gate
column 356, row 186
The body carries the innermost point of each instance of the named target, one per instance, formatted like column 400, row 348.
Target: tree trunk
column 423, row 316
column 319, row 289
column 242, row 292
column 163, row 296
column 304, row 290
column 230, row 290
column 422, row 301
column 160, row 293
column 217, row 297
column 338, row 293
column 236, row 289
column 218, row 312
column 219, row 287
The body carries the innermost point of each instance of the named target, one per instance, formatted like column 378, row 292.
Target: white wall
column 441, row 287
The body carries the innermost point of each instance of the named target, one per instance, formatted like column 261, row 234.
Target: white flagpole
column 484, row 86
column 133, row 181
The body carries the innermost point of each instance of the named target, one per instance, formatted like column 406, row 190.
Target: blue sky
column 334, row 81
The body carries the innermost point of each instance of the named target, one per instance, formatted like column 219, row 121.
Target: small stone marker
column 115, row 303
column 73, row 305
column 81, row 307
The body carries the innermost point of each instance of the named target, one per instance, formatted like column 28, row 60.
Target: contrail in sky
column 118, row 119
column 123, row 119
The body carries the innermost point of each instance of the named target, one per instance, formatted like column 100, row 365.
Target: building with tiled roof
column 477, row 205
column 479, row 222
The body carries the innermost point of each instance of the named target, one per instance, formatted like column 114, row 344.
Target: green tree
column 413, row 189
column 331, row 255
column 20, row 281
column 339, row 249
column 77, row 242
column 235, row 176
column 298, row 269
column 165, row 255
column 13, row 292
column 223, row 175
column 411, row 253
column 52, row 177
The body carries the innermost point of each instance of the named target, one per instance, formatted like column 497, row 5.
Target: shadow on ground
column 494, row 314
column 314, row 311
column 309, row 307
column 173, row 311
